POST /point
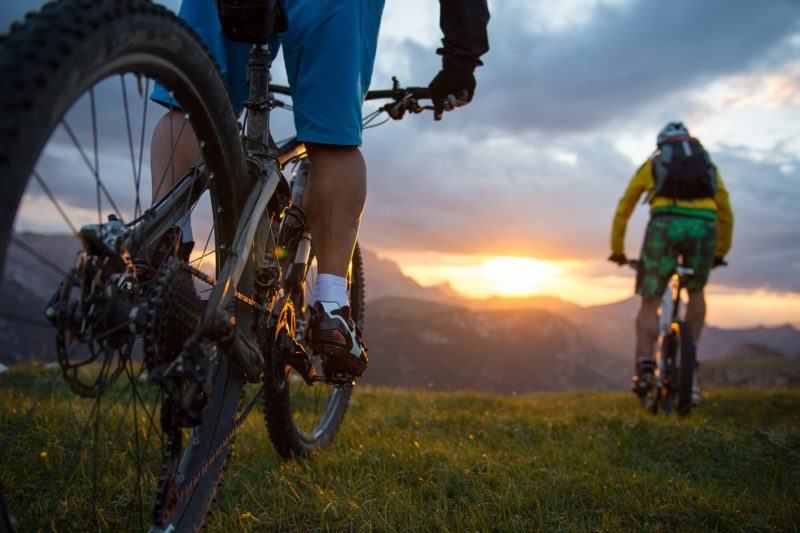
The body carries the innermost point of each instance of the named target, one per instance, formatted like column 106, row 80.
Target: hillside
column 415, row 343
column 418, row 460
column 429, row 336
column 753, row 365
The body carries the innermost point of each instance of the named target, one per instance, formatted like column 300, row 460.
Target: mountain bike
column 155, row 347
column 670, row 387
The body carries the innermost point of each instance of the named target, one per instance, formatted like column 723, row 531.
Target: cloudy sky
column 568, row 104
column 567, row 107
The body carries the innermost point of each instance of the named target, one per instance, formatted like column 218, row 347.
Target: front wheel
column 302, row 418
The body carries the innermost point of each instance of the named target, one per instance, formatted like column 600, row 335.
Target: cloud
column 624, row 57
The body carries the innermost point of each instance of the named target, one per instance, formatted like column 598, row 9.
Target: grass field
column 464, row 461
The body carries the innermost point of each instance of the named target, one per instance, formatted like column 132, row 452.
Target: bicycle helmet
column 672, row 129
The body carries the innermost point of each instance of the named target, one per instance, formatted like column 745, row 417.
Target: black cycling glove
column 719, row 262
column 452, row 87
column 619, row 259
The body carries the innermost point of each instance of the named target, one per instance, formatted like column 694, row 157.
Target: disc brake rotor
column 91, row 313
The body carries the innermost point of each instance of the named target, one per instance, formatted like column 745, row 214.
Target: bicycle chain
column 167, row 448
column 202, row 276
column 226, row 441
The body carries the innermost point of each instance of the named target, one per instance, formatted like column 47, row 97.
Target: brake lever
column 397, row 111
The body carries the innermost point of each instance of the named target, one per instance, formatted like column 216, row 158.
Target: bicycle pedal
column 340, row 379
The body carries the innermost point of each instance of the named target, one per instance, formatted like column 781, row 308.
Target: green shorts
column 667, row 238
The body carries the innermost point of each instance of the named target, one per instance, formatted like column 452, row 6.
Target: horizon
column 624, row 292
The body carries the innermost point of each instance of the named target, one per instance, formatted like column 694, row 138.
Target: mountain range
column 431, row 337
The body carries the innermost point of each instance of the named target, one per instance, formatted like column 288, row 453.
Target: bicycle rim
column 302, row 418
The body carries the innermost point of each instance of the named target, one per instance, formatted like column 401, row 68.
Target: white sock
column 185, row 223
column 330, row 288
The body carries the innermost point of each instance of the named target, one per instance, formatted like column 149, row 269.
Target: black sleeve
column 463, row 23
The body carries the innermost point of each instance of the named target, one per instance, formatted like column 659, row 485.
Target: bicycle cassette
column 174, row 314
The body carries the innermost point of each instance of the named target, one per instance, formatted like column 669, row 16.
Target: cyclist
column 691, row 217
column 329, row 50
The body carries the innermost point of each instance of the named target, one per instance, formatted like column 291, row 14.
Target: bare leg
column 696, row 313
column 646, row 328
column 335, row 196
column 168, row 165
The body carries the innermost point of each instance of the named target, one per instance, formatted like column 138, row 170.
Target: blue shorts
column 329, row 51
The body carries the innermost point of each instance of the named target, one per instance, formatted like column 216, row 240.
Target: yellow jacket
column 717, row 208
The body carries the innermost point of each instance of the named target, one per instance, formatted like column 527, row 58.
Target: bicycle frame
column 271, row 193
column 669, row 315
column 671, row 301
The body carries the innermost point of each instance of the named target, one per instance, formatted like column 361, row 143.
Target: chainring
column 278, row 342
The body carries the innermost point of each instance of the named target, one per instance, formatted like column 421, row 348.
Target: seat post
column 258, row 104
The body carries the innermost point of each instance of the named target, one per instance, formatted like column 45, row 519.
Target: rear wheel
column 75, row 82
column 678, row 355
column 302, row 418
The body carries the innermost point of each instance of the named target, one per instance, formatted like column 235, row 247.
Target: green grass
column 464, row 461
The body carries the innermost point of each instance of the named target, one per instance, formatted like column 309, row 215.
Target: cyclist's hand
column 451, row 88
column 719, row 262
column 619, row 259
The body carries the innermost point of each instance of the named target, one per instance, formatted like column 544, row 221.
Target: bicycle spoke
column 92, row 170
column 95, row 431
column 120, row 424
column 170, row 163
column 150, row 417
column 182, row 213
column 25, row 320
column 57, row 205
column 96, row 155
column 137, row 206
column 171, row 147
column 45, row 261
column 205, row 254
column 128, row 370
column 173, row 143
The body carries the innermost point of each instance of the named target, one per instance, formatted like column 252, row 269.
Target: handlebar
column 681, row 270
column 404, row 99
column 395, row 93
column 398, row 93
column 280, row 89
column 635, row 264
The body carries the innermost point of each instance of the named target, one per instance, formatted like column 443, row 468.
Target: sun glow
column 517, row 276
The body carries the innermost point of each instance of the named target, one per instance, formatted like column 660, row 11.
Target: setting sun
column 517, row 276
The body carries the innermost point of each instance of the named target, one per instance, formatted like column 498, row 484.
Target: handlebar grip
column 375, row 95
column 416, row 92
column 420, row 92
column 280, row 89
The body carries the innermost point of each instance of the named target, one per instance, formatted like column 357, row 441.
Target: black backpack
column 682, row 170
